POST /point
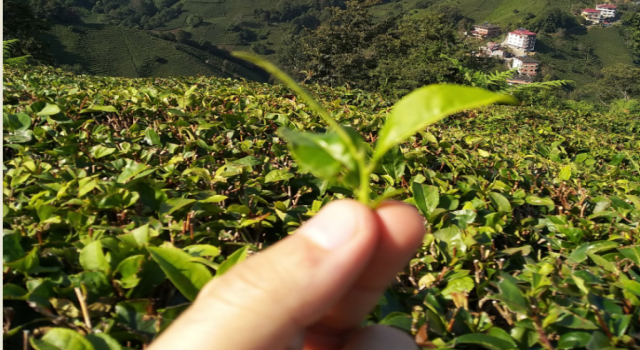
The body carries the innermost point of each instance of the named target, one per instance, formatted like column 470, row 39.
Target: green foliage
column 552, row 20
column 532, row 213
column 7, row 47
column 618, row 82
column 498, row 82
column 631, row 20
column 411, row 114
column 116, row 51
column 393, row 55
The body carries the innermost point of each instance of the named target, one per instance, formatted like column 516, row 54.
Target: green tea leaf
column 574, row 340
column 49, row 109
column 426, row 197
column 86, row 185
column 151, row 137
column 99, row 108
column 233, row 259
column 130, row 170
column 102, row 341
column 323, row 154
column 16, row 122
column 278, row 175
column 187, row 276
column 565, row 173
column 511, row 294
column 202, row 250
column 173, row 204
column 129, row 269
column 428, row 105
column 631, row 287
column 11, row 248
column 486, row 341
column 632, row 253
column 92, row 258
column 500, row 202
column 533, row 200
column 61, row 339
column 100, row 151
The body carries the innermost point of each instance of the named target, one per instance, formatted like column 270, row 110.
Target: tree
column 631, row 20
column 553, row 20
column 336, row 52
column 182, row 36
column 619, row 82
column 20, row 23
column 259, row 48
column 194, row 20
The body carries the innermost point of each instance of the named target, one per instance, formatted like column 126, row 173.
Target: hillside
column 123, row 197
column 267, row 27
column 118, row 51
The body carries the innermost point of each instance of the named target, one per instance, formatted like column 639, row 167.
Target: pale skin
column 309, row 291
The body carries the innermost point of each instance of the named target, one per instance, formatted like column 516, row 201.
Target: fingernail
column 333, row 226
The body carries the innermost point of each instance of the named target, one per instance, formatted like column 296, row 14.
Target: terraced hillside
column 119, row 51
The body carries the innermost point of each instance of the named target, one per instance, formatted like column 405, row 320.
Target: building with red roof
column 592, row 15
column 522, row 39
column 607, row 11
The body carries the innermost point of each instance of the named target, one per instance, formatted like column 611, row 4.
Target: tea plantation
column 123, row 197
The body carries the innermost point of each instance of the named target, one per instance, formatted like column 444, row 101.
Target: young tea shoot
column 342, row 154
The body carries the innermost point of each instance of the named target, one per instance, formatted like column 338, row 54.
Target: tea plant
column 343, row 152
column 122, row 197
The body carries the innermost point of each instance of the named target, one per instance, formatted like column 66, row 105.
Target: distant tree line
column 631, row 22
column 394, row 55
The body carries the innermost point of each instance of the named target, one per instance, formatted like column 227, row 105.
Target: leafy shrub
column 532, row 214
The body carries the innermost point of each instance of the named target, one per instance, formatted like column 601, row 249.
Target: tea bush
column 123, row 197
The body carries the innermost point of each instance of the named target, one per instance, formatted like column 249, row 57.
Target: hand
column 309, row 291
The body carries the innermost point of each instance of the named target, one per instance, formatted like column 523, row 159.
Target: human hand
column 309, row 291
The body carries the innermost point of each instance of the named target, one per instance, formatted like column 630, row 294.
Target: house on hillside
column 485, row 30
column 522, row 39
column 607, row 11
column 592, row 15
column 520, row 80
column 526, row 65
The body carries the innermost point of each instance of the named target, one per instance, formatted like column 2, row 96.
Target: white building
column 526, row 65
column 607, row 11
column 522, row 39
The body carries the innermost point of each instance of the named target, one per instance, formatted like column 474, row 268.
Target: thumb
column 267, row 300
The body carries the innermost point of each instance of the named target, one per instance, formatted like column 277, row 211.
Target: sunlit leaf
column 187, row 276
column 428, row 105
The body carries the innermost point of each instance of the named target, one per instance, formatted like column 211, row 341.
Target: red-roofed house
column 522, row 39
column 607, row 11
column 592, row 15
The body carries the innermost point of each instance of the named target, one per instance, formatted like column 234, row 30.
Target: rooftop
column 522, row 32
column 487, row 25
column 526, row 59
column 591, row 10
column 606, row 6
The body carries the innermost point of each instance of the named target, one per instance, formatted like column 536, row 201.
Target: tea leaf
column 324, row 155
column 486, row 341
column 233, row 259
column 187, row 276
column 61, row 339
column 428, row 105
